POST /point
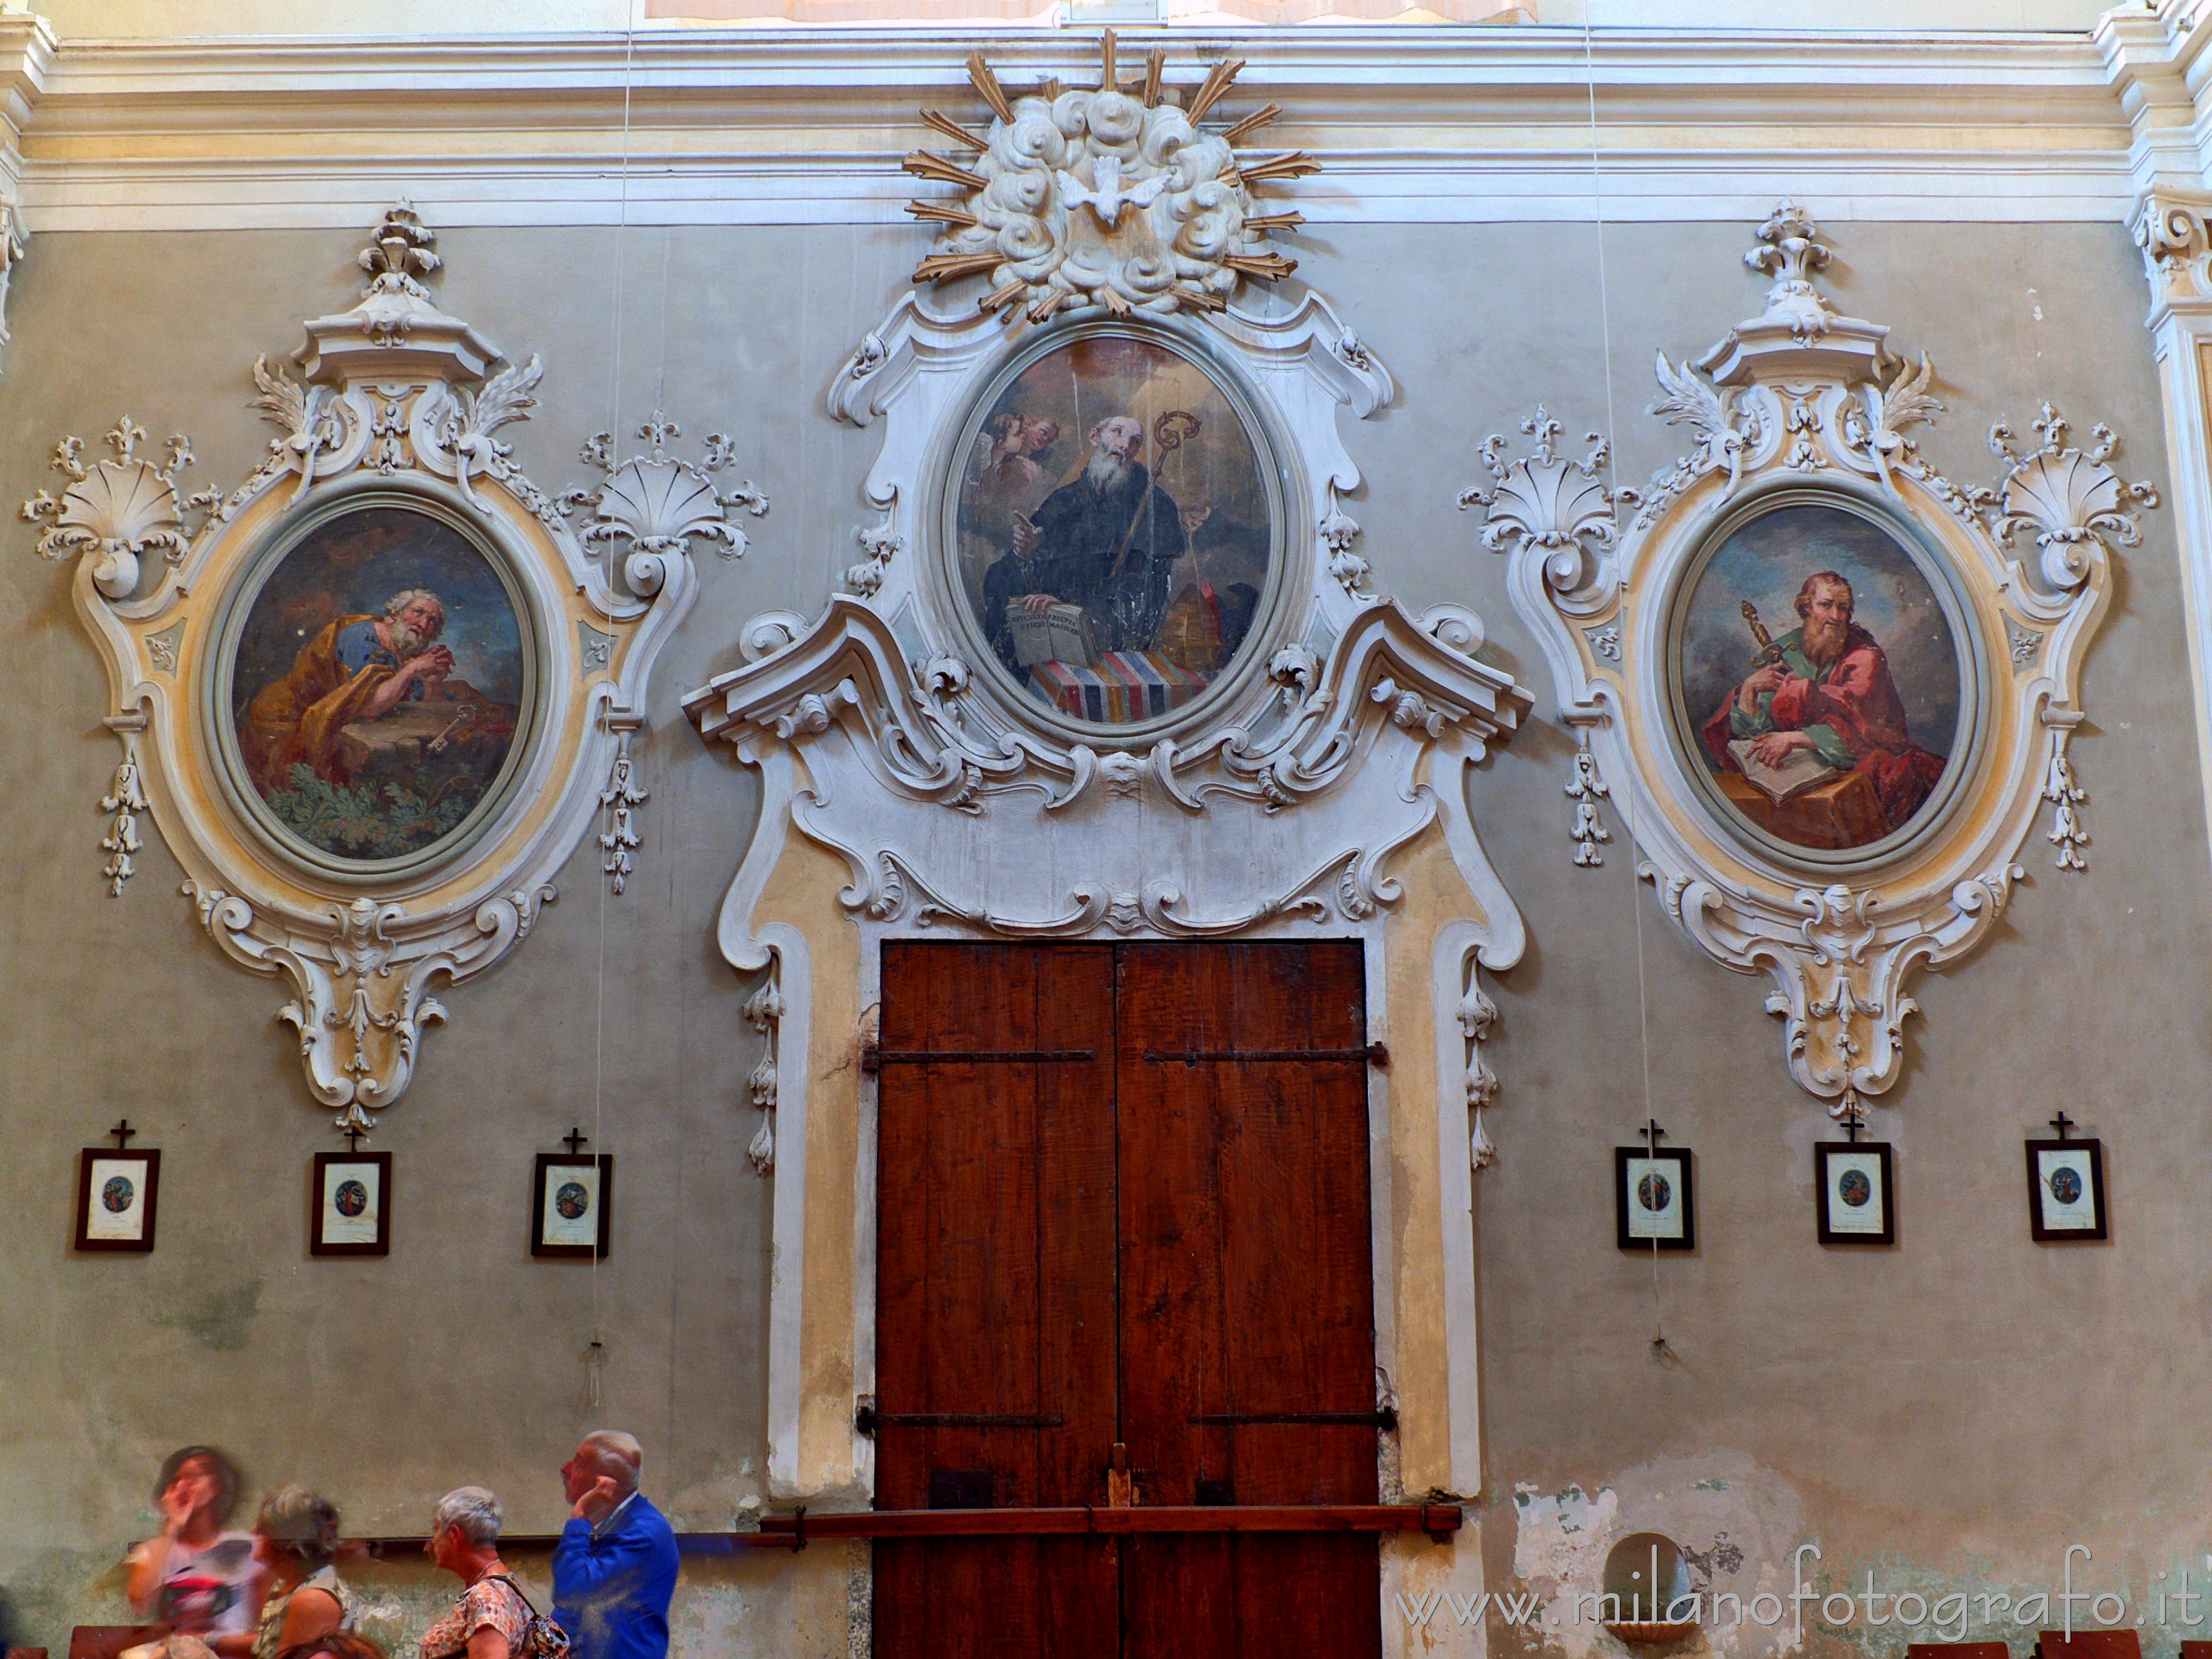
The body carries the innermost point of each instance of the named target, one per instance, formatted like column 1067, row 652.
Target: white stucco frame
column 397, row 406
column 907, row 795
column 1799, row 403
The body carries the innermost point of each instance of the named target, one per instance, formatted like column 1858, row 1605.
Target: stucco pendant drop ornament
column 1834, row 688
column 374, row 696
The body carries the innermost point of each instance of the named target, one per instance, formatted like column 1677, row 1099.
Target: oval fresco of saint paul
column 1819, row 679
column 377, row 684
column 1114, row 529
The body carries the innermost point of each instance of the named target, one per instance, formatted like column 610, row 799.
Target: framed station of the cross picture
column 1857, row 1196
column 349, row 1205
column 116, row 1194
column 571, row 1207
column 2066, row 1191
column 1654, row 1204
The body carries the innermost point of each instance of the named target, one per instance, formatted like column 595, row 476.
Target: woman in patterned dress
column 487, row 1621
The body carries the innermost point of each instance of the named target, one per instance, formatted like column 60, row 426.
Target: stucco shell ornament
column 1840, row 804
column 375, row 696
column 1114, row 195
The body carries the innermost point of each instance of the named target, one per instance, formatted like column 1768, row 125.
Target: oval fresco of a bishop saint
column 1114, row 528
column 1821, row 680
column 376, row 684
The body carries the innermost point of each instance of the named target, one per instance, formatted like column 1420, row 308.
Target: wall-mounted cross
column 123, row 1132
column 354, row 1132
column 1853, row 1121
column 2062, row 1122
column 575, row 1140
column 1651, row 1130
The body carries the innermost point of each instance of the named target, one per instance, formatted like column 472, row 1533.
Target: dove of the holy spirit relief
column 1104, row 194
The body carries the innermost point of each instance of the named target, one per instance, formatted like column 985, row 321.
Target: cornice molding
column 27, row 50
column 805, row 126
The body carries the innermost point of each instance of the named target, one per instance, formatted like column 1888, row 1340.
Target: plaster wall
column 1959, row 1408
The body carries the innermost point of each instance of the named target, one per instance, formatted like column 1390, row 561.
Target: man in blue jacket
column 614, row 1569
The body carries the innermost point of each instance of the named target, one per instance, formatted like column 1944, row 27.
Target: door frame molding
column 1325, row 796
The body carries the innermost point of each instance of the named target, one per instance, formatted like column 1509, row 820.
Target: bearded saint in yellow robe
column 358, row 668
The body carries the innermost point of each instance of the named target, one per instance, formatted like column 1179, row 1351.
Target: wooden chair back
column 2089, row 1645
column 105, row 1641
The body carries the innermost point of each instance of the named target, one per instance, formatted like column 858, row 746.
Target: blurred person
column 176, row 1646
column 614, row 1569
column 338, row 1644
column 195, row 1578
column 295, row 1538
column 487, row 1620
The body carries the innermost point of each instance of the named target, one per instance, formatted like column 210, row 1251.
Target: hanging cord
column 595, row 1355
column 621, row 237
column 1659, row 1351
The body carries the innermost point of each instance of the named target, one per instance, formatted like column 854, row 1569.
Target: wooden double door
column 1123, row 1219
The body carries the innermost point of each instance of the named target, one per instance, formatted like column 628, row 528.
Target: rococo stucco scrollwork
column 1840, row 803
column 374, row 696
column 1114, row 195
column 1109, row 664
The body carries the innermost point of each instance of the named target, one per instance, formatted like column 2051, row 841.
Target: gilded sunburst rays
column 1113, row 196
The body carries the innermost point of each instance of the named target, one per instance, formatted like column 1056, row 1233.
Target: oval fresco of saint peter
column 1114, row 528
column 376, row 684
column 1820, row 680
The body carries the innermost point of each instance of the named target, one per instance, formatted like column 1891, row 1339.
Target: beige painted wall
column 1963, row 1406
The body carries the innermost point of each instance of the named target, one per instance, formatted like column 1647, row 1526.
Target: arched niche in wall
column 1837, row 686
column 1193, row 718
column 374, row 696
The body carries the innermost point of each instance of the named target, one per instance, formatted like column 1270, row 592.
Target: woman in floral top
column 487, row 1621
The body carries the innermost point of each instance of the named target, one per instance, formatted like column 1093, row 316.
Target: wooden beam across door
column 1436, row 1519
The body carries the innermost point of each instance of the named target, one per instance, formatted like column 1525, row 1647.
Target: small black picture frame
column 118, row 1199
column 349, row 1205
column 2066, row 1191
column 571, row 1207
column 1654, row 1200
column 1856, row 1192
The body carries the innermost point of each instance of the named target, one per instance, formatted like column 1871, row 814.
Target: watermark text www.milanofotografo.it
column 1948, row 1615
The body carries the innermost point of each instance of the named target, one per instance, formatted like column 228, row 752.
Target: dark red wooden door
column 1246, row 1293
column 995, row 1294
column 1122, row 1199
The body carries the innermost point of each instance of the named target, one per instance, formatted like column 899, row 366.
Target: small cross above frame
column 354, row 1132
column 575, row 1140
column 2062, row 1123
column 122, row 1132
column 1853, row 1121
column 1651, row 1130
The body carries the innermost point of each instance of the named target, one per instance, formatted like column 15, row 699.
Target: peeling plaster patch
column 859, row 1602
column 219, row 1320
column 1735, row 1522
column 1723, row 1557
column 1561, row 1540
column 1894, row 1577
column 44, row 1592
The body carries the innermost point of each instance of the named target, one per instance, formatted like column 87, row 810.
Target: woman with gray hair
column 295, row 1538
column 487, row 1620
